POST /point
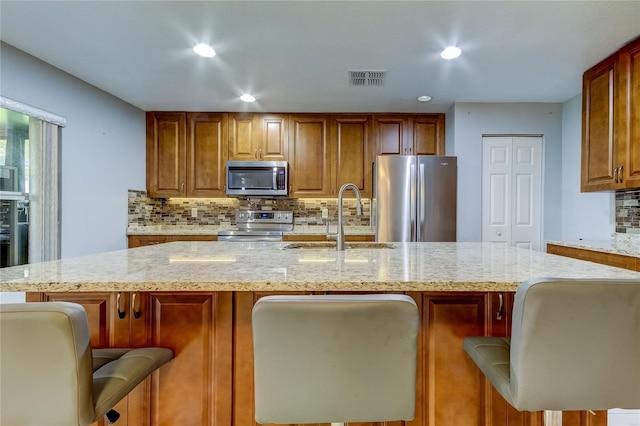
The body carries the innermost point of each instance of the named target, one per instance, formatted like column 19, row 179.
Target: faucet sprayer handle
column 358, row 208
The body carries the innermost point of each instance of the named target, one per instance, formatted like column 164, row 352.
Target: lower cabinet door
column 194, row 388
column 450, row 389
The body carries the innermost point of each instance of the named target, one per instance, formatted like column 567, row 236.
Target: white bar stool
column 335, row 358
column 575, row 345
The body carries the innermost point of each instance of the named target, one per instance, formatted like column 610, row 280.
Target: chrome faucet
column 340, row 235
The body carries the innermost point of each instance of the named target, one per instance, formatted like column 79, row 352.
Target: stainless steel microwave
column 258, row 178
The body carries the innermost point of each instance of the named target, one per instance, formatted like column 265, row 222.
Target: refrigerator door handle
column 412, row 205
column 421, row 205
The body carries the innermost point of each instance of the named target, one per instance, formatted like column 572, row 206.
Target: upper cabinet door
column 427, row 134
column 630, row 81
column 309, row 156
column 206, row 154
column 390, row 134
column 241, row 136
column 257, row 137
column 599, row 139
column 274, row 137
column 166, row 154
column 352, row 154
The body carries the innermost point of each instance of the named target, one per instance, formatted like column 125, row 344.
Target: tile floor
column 623, row 418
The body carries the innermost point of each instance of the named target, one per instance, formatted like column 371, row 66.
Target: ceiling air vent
column 366, row 77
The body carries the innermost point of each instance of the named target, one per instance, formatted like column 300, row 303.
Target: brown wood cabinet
column 611, row 122
column 630, row 69
column 327, row 151
column 309, row 156
column 149, row 240
column 257, row 137
column 194, row 388
column 409, row 134
column 186, row 154
column 352, row 154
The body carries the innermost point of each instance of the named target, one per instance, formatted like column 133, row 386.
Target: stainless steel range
column 259, row 225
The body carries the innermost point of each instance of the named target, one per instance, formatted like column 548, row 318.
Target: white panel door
column 496, row 189
column 512, row 191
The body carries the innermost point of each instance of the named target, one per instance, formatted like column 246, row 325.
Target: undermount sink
column 332, row 245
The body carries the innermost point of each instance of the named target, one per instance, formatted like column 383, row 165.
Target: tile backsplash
column 628, row 212
column 145, row 211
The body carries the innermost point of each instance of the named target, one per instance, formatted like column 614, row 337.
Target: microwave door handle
column 275, row 178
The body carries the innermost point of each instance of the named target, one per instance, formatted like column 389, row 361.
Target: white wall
column 472, row 121
column 103, row 150
column 589, row 215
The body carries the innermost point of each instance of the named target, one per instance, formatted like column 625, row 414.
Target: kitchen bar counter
column 228, row 266
column 197, row 298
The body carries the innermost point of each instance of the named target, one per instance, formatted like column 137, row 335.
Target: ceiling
column 294, row 56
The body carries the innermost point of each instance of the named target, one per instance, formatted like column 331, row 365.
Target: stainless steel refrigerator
column 414, row 198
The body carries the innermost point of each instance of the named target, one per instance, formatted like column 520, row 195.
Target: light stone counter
column 622, row 244
column 228, row 266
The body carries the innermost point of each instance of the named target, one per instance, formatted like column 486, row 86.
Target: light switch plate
column 194, row 212
column 325, row 213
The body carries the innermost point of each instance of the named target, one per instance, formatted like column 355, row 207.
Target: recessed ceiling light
column 424, row 98
column 451, row 52
column 247, row 98
column 204, row 50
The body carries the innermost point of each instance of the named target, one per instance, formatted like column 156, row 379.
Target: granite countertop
column 213, row 230
column 622, row 244
column 229, row 266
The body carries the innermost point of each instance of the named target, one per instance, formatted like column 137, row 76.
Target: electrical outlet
column 325, row 213
column 194, row 212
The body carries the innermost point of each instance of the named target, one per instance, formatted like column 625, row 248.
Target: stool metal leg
column 552, row 418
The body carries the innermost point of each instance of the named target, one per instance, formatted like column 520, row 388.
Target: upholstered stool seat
column 324, row 359
column 49, row 374
column 575, row 345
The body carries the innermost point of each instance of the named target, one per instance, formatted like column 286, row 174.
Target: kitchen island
column 196, row 298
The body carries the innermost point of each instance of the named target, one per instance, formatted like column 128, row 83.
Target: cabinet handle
column 500, row 308
column 255, row 153
column 260, row 154
column 182, row 186
column 136, row 313
column 121, row 313
column 620, row 172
